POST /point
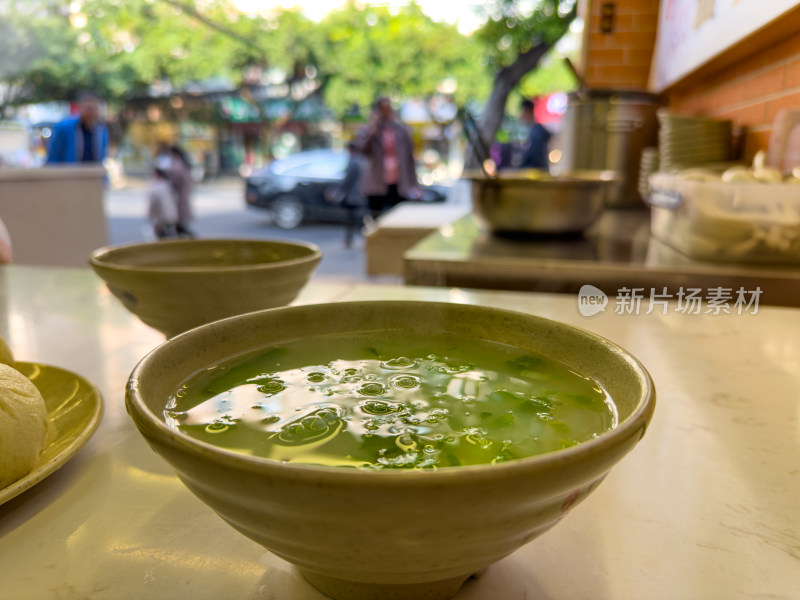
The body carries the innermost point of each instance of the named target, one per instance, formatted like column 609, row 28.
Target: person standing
column 349, row 195
column 82, row 138
column 162, row 211
column 180, row 171
column 535, row 152
column 391, row 175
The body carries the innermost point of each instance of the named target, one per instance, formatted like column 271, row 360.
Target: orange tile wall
column 621, row 59
column 750, row 91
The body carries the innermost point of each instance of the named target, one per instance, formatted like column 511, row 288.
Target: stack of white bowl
column 648, row 165
column 686, row 142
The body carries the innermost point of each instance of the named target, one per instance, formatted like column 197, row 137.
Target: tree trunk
column 504, row 83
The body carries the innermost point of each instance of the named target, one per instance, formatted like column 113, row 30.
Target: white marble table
column 706, row 507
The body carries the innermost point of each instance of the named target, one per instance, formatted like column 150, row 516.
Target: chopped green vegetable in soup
column 398, row 402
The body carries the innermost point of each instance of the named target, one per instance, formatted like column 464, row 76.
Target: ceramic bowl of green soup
column 389, row 450
column 176, row 285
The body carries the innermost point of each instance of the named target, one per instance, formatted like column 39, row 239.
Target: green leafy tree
column 369, row 52
column 35, row 39
column 517, row 35
column 55, row 48
column 118, row 48
column 551, row 75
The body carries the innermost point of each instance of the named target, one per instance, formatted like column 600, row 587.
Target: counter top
column 616, row 252
column 704, row 507
column 58, row 172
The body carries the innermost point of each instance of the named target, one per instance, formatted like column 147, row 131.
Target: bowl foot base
column 341, row 589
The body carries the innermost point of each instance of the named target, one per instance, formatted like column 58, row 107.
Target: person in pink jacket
column 391, row 175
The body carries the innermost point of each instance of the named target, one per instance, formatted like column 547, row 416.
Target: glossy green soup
column 393, row 402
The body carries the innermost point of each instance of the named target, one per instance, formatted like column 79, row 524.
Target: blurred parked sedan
column 293, row 188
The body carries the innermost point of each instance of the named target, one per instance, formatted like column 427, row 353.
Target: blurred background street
column 221, row 211
column 238, row 103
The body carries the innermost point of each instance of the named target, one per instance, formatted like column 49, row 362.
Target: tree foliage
column 517, row 34
column 52, row 49
column 122, row 48
column 513, row 27
column 551, row 75
column 35, row 39
column 370, row 52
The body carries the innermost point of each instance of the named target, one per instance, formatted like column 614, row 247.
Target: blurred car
column 293, row 188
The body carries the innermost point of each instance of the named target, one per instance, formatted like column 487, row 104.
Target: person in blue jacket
column 82, row 138
column 535, row 153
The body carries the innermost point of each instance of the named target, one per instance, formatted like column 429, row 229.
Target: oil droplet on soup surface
column 405, row 382
column 394, row 403
column 401, row 362
column 371, row 389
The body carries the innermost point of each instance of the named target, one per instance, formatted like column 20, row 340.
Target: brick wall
column 749, row 90
column 748, row 84
column 621, row 59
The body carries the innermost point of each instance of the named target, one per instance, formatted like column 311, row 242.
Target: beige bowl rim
column 634, row 425
column 102, row 257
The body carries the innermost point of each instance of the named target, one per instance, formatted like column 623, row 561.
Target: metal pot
column 531, row 201
column 608, row 129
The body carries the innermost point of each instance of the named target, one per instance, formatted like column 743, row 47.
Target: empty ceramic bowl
column 175, row 285
column 359, row 534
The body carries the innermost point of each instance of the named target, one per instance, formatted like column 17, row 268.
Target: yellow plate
column 74, row 410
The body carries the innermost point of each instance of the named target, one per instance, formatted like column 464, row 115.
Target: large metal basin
column 531, row 201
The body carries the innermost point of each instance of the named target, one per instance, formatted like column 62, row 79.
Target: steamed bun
column 23, row 425
column 6, row 356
